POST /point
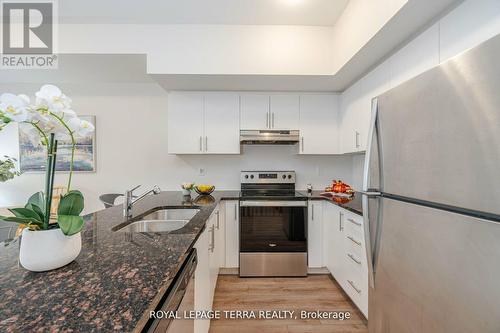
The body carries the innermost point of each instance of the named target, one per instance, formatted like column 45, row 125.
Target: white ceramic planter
column 48, row 249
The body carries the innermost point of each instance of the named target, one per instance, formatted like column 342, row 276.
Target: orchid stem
column 49, row 180
column 73, row 145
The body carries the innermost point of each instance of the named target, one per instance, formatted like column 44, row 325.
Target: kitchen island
column 115, row 281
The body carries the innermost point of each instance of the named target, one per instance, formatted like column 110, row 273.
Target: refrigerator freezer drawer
column 436, row 272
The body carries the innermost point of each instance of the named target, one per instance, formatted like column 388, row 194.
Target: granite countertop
column 354, row 205
column 117, row 278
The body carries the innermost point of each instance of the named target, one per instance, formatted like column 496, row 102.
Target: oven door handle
column 273, row 203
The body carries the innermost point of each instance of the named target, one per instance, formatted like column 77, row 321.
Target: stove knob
column 289, row 176
column 246, row 176
column 284, row 176
column 251, row 176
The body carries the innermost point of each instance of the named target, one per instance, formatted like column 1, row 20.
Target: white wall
column 132, row 149
column 208, row 49
column 466, row 26
column 359, row 22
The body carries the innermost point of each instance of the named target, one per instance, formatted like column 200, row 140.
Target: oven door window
column 273, row 229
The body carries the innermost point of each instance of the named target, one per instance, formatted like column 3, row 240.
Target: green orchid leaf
column 36, row 209
column 37, row 199
column 25, row 213
column 71, row 204
column 20, row 220
column 70, row 224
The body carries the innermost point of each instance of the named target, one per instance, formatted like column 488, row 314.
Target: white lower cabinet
column 345, row 253
column 211, row 253
column 333, row 239
column 202, row 298
column 232, row 230
column 315, row 234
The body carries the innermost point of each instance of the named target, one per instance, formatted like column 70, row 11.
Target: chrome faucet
column 130, row 201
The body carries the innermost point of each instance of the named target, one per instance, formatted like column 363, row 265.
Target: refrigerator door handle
column 369, row 149
column 368, row 245
column 367, row 194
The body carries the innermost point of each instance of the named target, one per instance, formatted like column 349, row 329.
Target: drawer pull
column 354, row 259
column 354, row 241
column 354, row 287
column 354, row 222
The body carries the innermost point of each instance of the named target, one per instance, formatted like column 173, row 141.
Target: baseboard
column 229, row 271
column 310, row 270
column 317, row 270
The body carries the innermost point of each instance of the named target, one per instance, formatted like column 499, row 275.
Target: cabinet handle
column 354, row 241
column 312, row 212
column 272, row 115
column 302, row 142
column 201, row 143
column 352, row 285
column 341, row 217
column 218, row 220
column 235, row 211
column 354, row 259
column 267, row 119
column 354, row 222
column 212, row 245
column 357, row 139
column 206, row 143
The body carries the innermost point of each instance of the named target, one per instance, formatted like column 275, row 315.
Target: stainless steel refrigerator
column 432, row 199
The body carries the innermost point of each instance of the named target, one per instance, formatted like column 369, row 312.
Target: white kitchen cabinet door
column 232, row 226
column 285, row 112
column 222, row 124
column 315, row 234
column 185, row 123
column 332, row 254
column 255, row 112
column 212, row 254
column 202, row 295
column 318, row 124
column 355, row 274
column 337, row 264
column 220, row 238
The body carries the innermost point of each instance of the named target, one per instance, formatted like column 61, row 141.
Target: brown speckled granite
column 354, row 206
column 112, row 284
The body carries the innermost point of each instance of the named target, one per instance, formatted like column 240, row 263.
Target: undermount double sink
column 162, row 220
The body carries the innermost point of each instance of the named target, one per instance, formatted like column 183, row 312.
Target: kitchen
column 269, row 107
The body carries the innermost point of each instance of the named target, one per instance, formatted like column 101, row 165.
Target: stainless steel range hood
column 269, row 137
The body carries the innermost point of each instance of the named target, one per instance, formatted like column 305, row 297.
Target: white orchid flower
column 51, row 97
column 80, row 128
column 16, row 108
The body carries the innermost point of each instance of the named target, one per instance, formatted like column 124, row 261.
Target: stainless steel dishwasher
column 180, row 298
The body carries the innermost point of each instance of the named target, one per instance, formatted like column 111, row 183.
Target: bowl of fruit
column 204, row 189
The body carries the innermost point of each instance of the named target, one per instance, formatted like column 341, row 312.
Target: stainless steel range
column 273, row 224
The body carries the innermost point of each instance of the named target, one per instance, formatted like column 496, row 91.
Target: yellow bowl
column 204, row 189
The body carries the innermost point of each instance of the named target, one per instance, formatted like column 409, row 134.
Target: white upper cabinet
column 356, row 109
column 255, row 112
column 203, row 123
column 318, row 124
column 222, row 124
column 284, row 112
column 185, row 123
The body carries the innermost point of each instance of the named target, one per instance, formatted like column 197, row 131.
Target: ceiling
column 237, row 12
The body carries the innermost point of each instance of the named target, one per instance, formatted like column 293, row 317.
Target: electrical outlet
column 202, row 172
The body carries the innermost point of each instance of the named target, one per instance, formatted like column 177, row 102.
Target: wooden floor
column 316, row 292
